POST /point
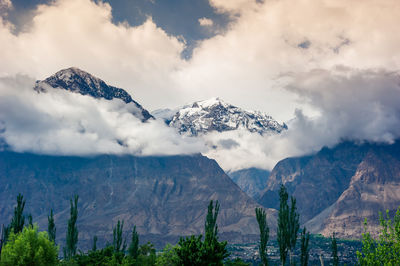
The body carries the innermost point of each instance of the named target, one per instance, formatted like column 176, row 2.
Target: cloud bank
column 329, row 67
column 61, row 122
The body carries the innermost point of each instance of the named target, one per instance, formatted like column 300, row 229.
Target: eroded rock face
column 165, row 197
column 251, row 180
column 374, row 188
column 336, row 189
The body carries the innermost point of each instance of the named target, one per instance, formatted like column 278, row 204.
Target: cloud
column 280, row 57
column 205, row 22
column 352, row 104
column 61, row 122
column 80, row 33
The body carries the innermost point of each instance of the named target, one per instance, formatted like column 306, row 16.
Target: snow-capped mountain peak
column 78, row 81
column 216, row 115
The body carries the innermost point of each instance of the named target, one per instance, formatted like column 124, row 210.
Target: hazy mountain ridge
column 79, row 81
column 165, row 197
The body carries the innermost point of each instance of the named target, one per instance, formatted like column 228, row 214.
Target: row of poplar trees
column 287, row 233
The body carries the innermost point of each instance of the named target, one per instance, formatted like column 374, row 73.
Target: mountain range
column 166, row 196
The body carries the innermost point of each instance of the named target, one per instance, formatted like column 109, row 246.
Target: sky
column 328, row 68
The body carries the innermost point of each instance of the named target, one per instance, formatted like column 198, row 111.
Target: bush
column 386, row 249
column 29, row 247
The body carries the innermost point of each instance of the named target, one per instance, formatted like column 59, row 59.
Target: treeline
column 22, row 244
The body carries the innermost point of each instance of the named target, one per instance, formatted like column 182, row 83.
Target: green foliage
column 29, row 247
column 168, row 257
column 386, row 249
column 18, row 220
column 51, row 227
column 335, row 258
column 283, row 221
column 264, row 234
column 72, row 231
column 134, row 246
column 190, row 251
column 98, row 257
column 214, row 251
column 118, row 243
column 288, row 225
column 94, row 245
column 147, row 255
column 304, row 240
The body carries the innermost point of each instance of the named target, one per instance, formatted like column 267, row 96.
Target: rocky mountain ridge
column 79, row 81
column 337, row 188
column 214, row 114
column 165, row 197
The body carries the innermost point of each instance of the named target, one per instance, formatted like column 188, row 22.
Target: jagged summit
column 216, row 115
column 76, row 80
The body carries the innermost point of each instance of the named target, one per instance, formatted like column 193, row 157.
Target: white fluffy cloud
column 61, row 122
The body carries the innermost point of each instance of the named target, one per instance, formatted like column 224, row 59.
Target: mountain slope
column 216, row 115
column 250, row 180
column 337, row 188
column 76, row 80
column 165, row 197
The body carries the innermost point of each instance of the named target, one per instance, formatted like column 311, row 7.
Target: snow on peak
column 79, row 81
column 216, row 115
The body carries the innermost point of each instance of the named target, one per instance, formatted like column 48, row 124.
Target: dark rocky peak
column 79, row 81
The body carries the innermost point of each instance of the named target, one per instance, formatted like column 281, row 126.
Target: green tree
column 304, row 239
column 288, row 225
column 190, row 251
column 29, row 247
column 168, row 256
column 18, row 220
column 264, row 234
column 385, row 250
column 283, row 224
column 72, row 231
column 335, row 258
column 294, row 226
column 51, row 227
column 5, row 231
column 133, row 249
column 147, row 255
column 118, row 243
column 214, row 252
column 94, row 245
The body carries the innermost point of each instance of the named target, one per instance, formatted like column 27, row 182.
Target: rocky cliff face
column 79, row 81
column 251, row 180
column 337, row 188
column 165, row 197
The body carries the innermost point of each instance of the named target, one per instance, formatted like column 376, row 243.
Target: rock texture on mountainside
column 76, row 80
column 336, row 189
column 251, row 180
column 165, row 197
column 216, row 115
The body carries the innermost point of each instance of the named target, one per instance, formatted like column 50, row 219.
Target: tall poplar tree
column 335, row 258
column 72, row 231
column 133, row 249
column 264, row 234
column 283, row 224
column 51, row 227
column 305, row 238
column 18, row 220
column 118, row 243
